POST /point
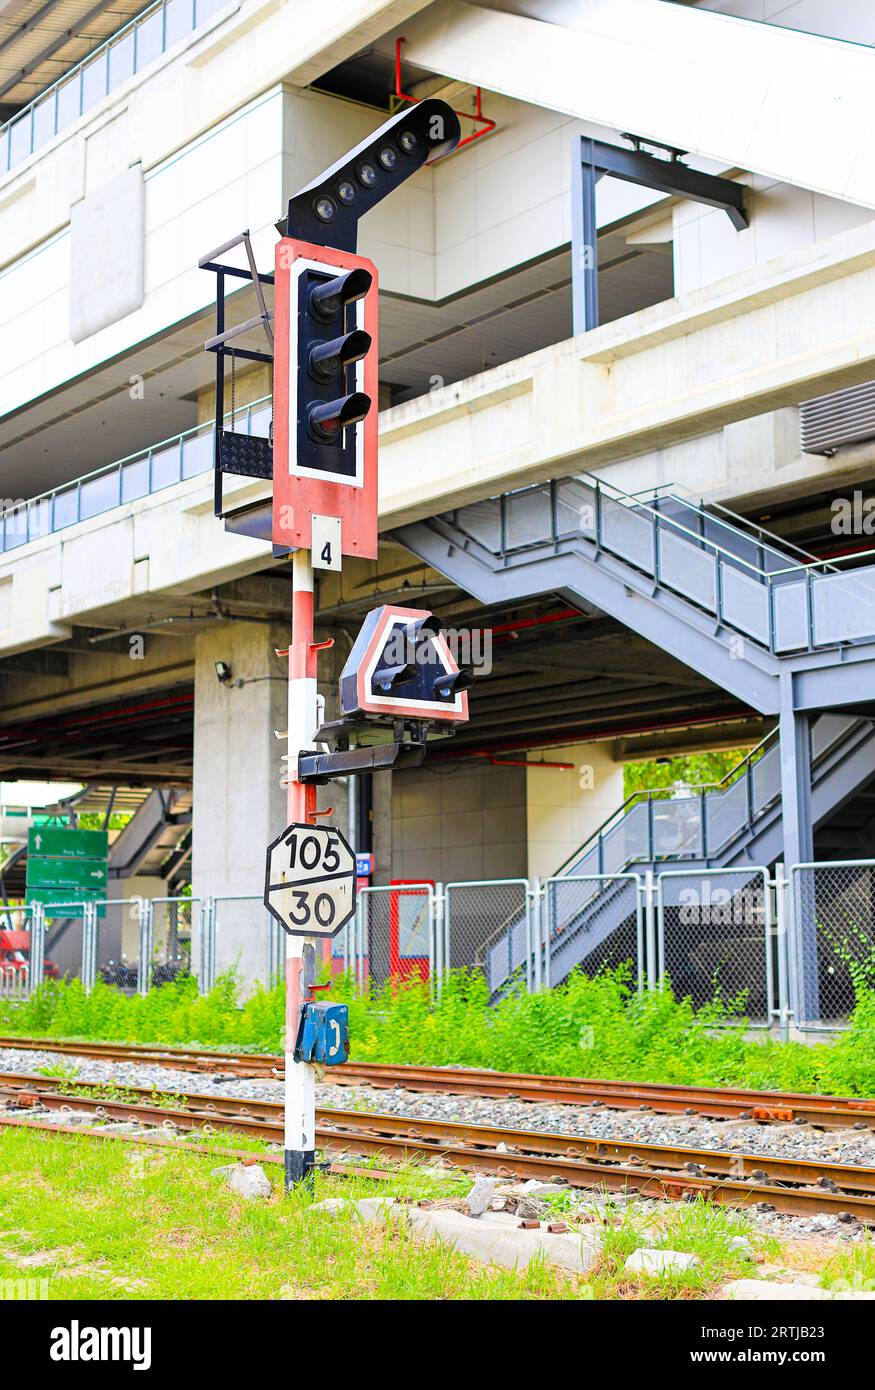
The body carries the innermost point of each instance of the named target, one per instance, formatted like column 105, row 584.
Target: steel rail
column 722, row 1102
column 580, row 1160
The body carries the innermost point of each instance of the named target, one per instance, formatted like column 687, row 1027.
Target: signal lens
column 388, row 157
column 346, row 192
column 408, row 141
column 325, row 208
column 366, row 174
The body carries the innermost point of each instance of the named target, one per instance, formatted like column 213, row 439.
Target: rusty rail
column 801, row 1186
column 723, row 1102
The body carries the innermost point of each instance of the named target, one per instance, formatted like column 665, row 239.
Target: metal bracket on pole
column 592, row 160
column 246, row 455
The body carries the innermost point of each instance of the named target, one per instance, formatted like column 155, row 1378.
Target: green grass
column 696, row 1228
column 586, row 1027
column 851, row 1269
column 103, row 1219
column 109, row 1220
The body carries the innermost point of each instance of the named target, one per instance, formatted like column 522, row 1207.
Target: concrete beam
column 779, row 333
column 795, row 107
column 770, row 337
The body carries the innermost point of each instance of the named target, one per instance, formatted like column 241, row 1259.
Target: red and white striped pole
column 300, row 1090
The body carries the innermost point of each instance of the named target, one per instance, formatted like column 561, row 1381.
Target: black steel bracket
column 241, row 454
column 317, row 767
column 593, row 159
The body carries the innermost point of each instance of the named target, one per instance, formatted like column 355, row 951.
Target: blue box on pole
column 323, row 1034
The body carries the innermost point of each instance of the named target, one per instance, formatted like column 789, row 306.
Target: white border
column 313, row 474
column 391, row 702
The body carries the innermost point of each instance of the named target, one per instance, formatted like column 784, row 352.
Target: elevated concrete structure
column 119, row 594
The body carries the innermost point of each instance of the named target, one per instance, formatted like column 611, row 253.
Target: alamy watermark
column 24, row 1290
column 469, row 647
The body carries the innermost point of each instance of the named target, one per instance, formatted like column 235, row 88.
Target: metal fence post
column 360, row 941
column 89, row 946
column 438, row 908
column 650, row 930
column 144, row 947
column 37, row 947
column 207, row 945
column 782, row 930
column 533, row 967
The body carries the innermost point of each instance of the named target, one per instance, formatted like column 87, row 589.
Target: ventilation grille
column 844, row 417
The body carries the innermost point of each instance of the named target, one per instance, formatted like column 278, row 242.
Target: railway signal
column 401, row 665
column 321, row 457
column 325, row 403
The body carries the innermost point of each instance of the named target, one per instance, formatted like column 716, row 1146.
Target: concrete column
column 564, row 808
column 798, row 834
column 239, row 805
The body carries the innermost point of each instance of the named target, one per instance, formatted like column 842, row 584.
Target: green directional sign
column 87, row 874
column 49, row 841
column 66, row 866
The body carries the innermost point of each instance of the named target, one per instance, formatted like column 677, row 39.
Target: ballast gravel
column 599, row 1122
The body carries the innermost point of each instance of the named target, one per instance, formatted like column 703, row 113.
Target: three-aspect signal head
column 329, row 346
column 327, row 211
column 325, row 402
column 401, row 666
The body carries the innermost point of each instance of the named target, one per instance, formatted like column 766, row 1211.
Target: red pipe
column 562, row 616
column 19, row 732
column 519, row 762
column 486, row 124
column 595, row 734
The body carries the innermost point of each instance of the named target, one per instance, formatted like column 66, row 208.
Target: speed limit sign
column 309, row 884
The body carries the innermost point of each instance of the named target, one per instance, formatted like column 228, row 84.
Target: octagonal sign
column 309, row 884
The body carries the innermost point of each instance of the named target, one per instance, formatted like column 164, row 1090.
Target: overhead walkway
column 787, row 634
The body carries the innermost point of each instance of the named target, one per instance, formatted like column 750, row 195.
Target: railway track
column 789, row 1107
column 796, row 1186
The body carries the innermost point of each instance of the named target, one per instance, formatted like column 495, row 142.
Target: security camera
column 223, row 672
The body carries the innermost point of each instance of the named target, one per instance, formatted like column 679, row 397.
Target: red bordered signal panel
column 416, row 697
column 300, row 489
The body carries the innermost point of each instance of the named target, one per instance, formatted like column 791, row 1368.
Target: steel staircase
column 733, row 823
column 729, row 600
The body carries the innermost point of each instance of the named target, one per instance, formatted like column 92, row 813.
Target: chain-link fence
column 395, row 934
column 592, row 923
column 714, row 934
column 832, row 937
column 173, row 925
column 488, row 926
column 20, row 964
column 715, row 939
column 241, row 931
column 68, row 938
column 121, row 928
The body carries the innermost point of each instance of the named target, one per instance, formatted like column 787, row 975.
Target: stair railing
column 649, row 795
